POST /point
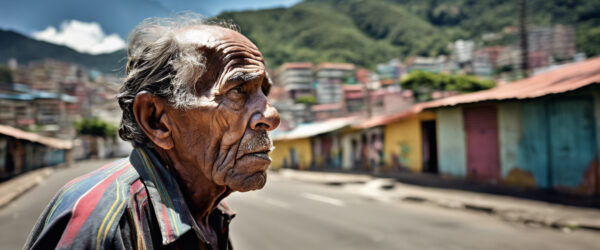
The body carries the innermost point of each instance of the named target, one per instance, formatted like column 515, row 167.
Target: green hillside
column 364, row 32
column 372, row 31
column 25, row 49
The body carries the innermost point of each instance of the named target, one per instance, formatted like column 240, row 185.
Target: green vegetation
column 423, row 83
column 589, row 40
column 363, row 32
column 95, row 127
column 307, row 99
column 6, row 75
column 374, row 31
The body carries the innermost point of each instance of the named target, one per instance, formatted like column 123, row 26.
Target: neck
column 201, row 194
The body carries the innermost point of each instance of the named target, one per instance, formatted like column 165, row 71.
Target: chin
column 245, row 183
column 248, row 173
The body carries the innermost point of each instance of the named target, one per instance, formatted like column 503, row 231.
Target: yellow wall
column 282, row 151
column 403, row 140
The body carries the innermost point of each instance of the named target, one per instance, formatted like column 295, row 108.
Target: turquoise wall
column 509, row 133
column 523, row 135
column 572, row 140
column 451, row 142
column 553, row 140
column 534, row 143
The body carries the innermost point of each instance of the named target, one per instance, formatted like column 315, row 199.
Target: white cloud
column 81, row 36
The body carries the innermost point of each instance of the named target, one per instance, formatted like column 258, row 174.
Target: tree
column 307, row 99
column 6, row 75
column 95, row 127
column 423, row 83
column 588, row 40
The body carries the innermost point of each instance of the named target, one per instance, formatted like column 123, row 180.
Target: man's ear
column 149, row 112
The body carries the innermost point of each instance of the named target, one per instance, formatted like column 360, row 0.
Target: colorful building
column 540, row 132
column 310, row 145
column 296, row 78
column 21, row 151
column 409, row 140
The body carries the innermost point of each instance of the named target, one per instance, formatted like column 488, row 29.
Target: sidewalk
column 18, row 185
column 508, row 208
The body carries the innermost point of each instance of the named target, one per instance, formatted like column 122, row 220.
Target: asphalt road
column 289, row 214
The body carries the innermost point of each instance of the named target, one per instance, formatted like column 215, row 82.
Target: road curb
column 521, row 217
column 507, row 213
column 19, row 185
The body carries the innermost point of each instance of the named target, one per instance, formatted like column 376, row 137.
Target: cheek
column 231, row 123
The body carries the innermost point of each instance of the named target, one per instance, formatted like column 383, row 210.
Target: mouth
column 261, row 155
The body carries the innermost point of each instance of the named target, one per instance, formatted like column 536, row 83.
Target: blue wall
column 572, row 140
column 549, row 142
column 451, row 142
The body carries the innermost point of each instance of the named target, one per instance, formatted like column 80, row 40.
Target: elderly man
column 195, row 108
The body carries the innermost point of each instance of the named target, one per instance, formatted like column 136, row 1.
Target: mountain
column 366, row 32
column 363, row 32
column 25, row 49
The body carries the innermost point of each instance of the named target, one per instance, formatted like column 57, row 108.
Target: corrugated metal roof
column 385, row 119
column 297, row 65
column 355, row 87
column 38, row 95
column 311, row 129
column 19, row 97
column 332, row 65
column 327, row 107
column 48, row 141
column 567, row 78
column 68, row 98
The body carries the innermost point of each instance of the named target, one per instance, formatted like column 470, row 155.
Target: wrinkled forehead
column 235, row 55
column 210, row 36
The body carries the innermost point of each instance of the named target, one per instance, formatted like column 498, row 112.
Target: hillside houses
column 541, row 132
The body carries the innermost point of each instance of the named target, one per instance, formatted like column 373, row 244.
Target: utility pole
column 523, row 37
column 368, row 101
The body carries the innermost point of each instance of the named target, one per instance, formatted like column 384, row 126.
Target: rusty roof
column 563, row 79
column 351, row 87
column 566, row 78
column 327, row 107
column 297, row 65
column 23, row 135
column 385, row 119
column 331, row 65
column 307, row 130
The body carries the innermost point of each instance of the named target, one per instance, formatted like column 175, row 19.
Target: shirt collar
column 172, row 213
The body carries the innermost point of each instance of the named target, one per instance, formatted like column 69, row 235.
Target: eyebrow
column 243, row 77
column 240, row 77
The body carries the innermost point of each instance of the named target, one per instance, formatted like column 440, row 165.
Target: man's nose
column 265, row 121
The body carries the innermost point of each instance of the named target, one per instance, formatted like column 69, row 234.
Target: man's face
column 225, row 139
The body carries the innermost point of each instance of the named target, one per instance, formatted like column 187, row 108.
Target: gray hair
column 158, row 65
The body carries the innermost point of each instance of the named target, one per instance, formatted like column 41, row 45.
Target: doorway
column 429, row 144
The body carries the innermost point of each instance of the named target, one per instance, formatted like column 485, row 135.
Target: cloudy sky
column 100, row 26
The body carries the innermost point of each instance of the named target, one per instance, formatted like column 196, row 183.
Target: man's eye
column 238, row 90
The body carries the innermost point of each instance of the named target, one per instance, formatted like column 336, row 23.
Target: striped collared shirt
column 132, row 203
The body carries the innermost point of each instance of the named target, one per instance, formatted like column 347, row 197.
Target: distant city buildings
column 330, row 77
column 21, row 106
column 556, row 41
column 437, row 64
column 310, row 93
column 336, row 90
column 48, row 96
column 389, row 73
column 296, row 78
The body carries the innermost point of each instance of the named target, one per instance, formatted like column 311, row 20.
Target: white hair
column 158, row 64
